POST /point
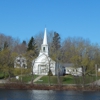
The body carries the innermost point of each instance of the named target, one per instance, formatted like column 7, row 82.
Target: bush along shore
column 23, row 86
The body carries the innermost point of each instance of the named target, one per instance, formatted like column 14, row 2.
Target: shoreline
column 21, row 86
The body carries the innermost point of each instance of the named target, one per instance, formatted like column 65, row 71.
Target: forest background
column 77, row 50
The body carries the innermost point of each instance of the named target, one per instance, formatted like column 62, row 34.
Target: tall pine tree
column 55, row 46
column 56, row 41
column 32, row 46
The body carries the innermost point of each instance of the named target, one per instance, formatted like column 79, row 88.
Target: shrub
column 50, row 73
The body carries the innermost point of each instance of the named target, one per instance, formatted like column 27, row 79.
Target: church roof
column 43, row 58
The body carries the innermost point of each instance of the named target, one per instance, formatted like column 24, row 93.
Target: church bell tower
column 44, row 46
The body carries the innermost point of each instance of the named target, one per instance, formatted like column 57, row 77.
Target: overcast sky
column 70, row 18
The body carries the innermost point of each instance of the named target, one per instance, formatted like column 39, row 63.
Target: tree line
column 81, row 52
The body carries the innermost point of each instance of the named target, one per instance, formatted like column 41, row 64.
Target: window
column 43, row 49
column 18, row 60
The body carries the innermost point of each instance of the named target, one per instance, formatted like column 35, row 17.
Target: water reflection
column 47, row 95
column 64, row 95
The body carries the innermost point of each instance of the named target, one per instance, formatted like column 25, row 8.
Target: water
column 47, row 95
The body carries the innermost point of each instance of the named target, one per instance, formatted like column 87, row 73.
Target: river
column 47, row 95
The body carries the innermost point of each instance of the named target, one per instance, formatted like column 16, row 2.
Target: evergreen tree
column 32, row 46
column 56, row 42
column 55, row 47
column 55, row 54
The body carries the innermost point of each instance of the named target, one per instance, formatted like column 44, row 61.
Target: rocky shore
column 47, row 87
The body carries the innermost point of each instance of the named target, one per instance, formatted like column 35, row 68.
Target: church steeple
column 44, row 46
column 45, row 37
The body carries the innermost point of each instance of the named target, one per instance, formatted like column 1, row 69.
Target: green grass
column 2, row 75
column 68, row 79
column 25, row 78
column 28, row 78
column 54, row 80
column 45, row 80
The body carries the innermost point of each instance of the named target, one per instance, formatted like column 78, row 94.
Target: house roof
column 68, row 64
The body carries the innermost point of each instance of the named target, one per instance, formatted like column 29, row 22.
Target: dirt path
column 38, row 78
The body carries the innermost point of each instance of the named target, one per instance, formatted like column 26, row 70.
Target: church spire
column 45, row 37
column 44, row 46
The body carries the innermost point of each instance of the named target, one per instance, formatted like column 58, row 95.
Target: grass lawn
column 68, row 79
column 28, row 78
column 2, row 75
column 25, row 78
column 54, row 80
column 45, row 80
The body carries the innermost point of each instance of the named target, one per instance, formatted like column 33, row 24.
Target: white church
column 43, row 63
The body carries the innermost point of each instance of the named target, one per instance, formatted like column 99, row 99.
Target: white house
column 43, row 62
column 70, row 69
column 20, row 62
